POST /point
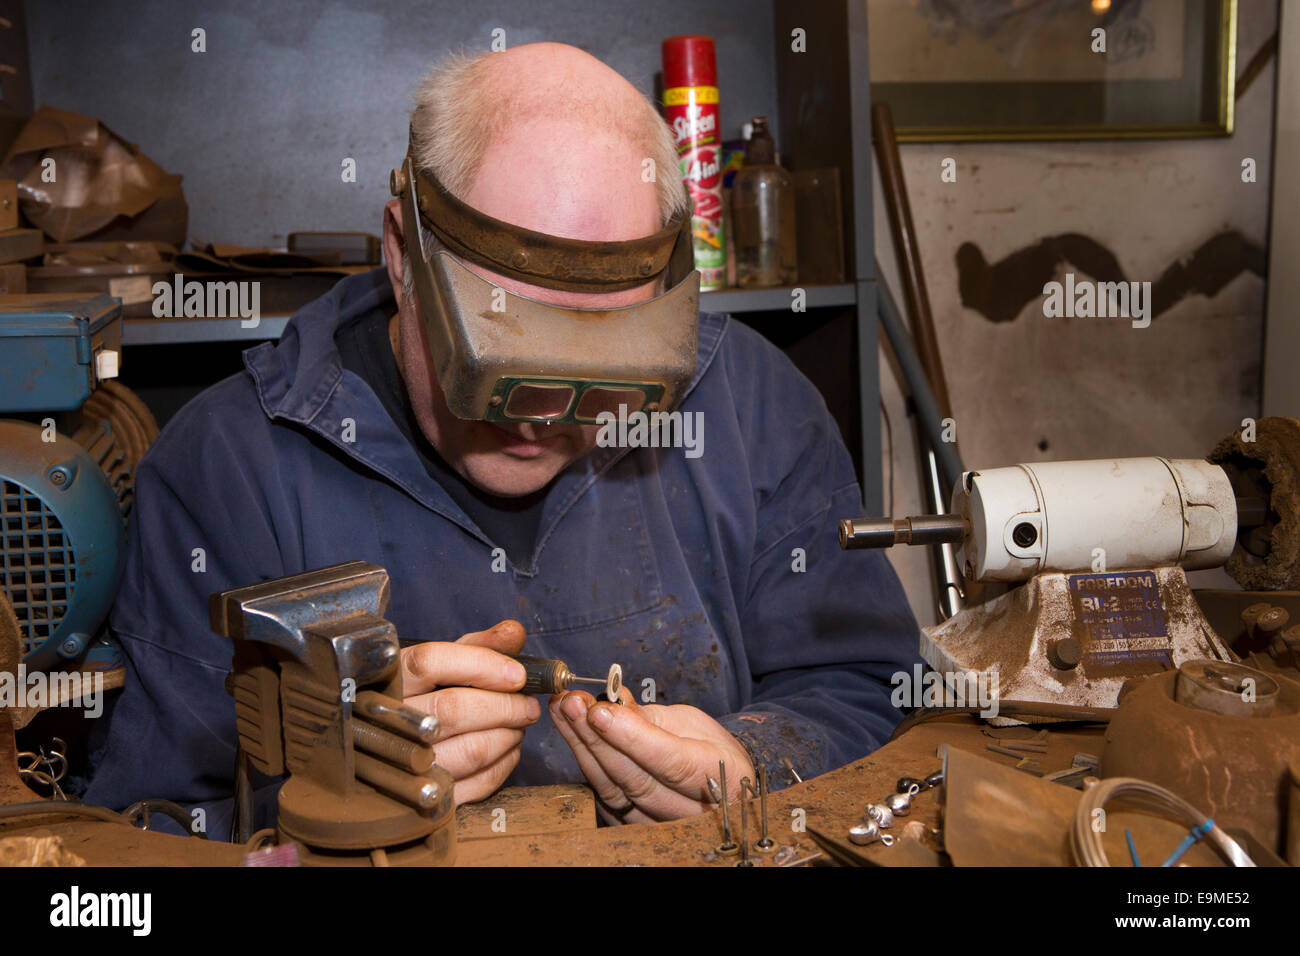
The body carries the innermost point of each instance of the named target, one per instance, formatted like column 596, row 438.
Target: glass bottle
column 762, row 210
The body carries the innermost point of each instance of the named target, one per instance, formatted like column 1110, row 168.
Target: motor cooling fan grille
column 39, row 568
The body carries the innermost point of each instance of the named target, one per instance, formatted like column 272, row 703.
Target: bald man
column 714, row 578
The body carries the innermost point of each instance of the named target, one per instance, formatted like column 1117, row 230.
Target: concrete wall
column 1040, row 389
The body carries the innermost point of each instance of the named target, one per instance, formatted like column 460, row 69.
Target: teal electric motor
column 67, row 464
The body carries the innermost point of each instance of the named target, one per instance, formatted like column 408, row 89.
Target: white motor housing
column 1095, row 515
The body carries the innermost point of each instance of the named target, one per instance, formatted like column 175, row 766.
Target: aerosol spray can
column 691, row 108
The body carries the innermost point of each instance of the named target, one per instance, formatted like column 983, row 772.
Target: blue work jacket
column 718, row 578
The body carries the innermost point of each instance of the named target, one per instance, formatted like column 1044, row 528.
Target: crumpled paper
column 104, row 187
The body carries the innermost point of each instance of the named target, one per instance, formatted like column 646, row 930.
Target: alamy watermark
column 929, row 688
column 1086, row 299
column 208, row 300
column 652, row 430
column 53, row 689
column 133, row 911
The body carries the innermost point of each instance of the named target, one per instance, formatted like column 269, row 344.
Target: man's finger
column 606, row 790
column 468, row 754
column 483, row 784
column 505, row 637
column 441, row 663
column 463, row 710
column 671, row 760
column 639, row 785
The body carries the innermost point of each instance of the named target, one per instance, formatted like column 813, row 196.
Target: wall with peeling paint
column 1039, row 389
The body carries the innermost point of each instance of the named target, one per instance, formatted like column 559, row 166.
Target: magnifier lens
column 534, row 401
column 600, row 399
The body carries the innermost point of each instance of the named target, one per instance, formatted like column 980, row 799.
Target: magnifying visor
column 505, row 357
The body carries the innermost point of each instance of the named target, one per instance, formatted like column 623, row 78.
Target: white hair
column 459, row 109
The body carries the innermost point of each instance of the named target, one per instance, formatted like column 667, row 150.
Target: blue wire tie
column 1195, row 835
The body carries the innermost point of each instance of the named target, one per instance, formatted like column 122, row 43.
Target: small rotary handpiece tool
column 548, row 676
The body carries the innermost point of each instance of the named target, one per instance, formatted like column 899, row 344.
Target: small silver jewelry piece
column 864, row 833
column 900, row 804
column 883, row 816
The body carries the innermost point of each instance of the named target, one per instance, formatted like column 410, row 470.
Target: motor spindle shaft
column 859, row 533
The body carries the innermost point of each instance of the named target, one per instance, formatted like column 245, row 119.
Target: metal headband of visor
column 506, row 357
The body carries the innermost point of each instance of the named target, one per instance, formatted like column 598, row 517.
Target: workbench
column 557, row 825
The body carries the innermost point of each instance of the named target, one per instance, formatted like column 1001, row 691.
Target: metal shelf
column 191, row 331
column 776, row 300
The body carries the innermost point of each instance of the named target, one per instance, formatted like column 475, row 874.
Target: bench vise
column 317, row 684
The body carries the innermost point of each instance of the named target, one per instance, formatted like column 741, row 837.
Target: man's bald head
column 564, row 103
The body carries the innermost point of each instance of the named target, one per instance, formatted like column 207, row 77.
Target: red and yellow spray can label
column 692, row 114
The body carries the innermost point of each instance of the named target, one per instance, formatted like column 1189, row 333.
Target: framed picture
column 1053, row 69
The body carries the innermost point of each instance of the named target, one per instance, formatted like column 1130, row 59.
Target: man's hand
column 648, row 763
column 481, row 717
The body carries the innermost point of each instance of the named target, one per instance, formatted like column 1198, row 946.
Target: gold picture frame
column 1027, row 72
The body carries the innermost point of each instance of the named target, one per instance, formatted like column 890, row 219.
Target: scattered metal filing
column 1029, row 751
column 1031, row 765
column 1026, row 750
column 1035, row 743
column 1027, row 754
column 1017, row 752
column 789, row 855
column 1081, row 768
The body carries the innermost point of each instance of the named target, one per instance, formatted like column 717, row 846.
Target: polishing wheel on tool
column 614, row 682
column 1267, row 556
